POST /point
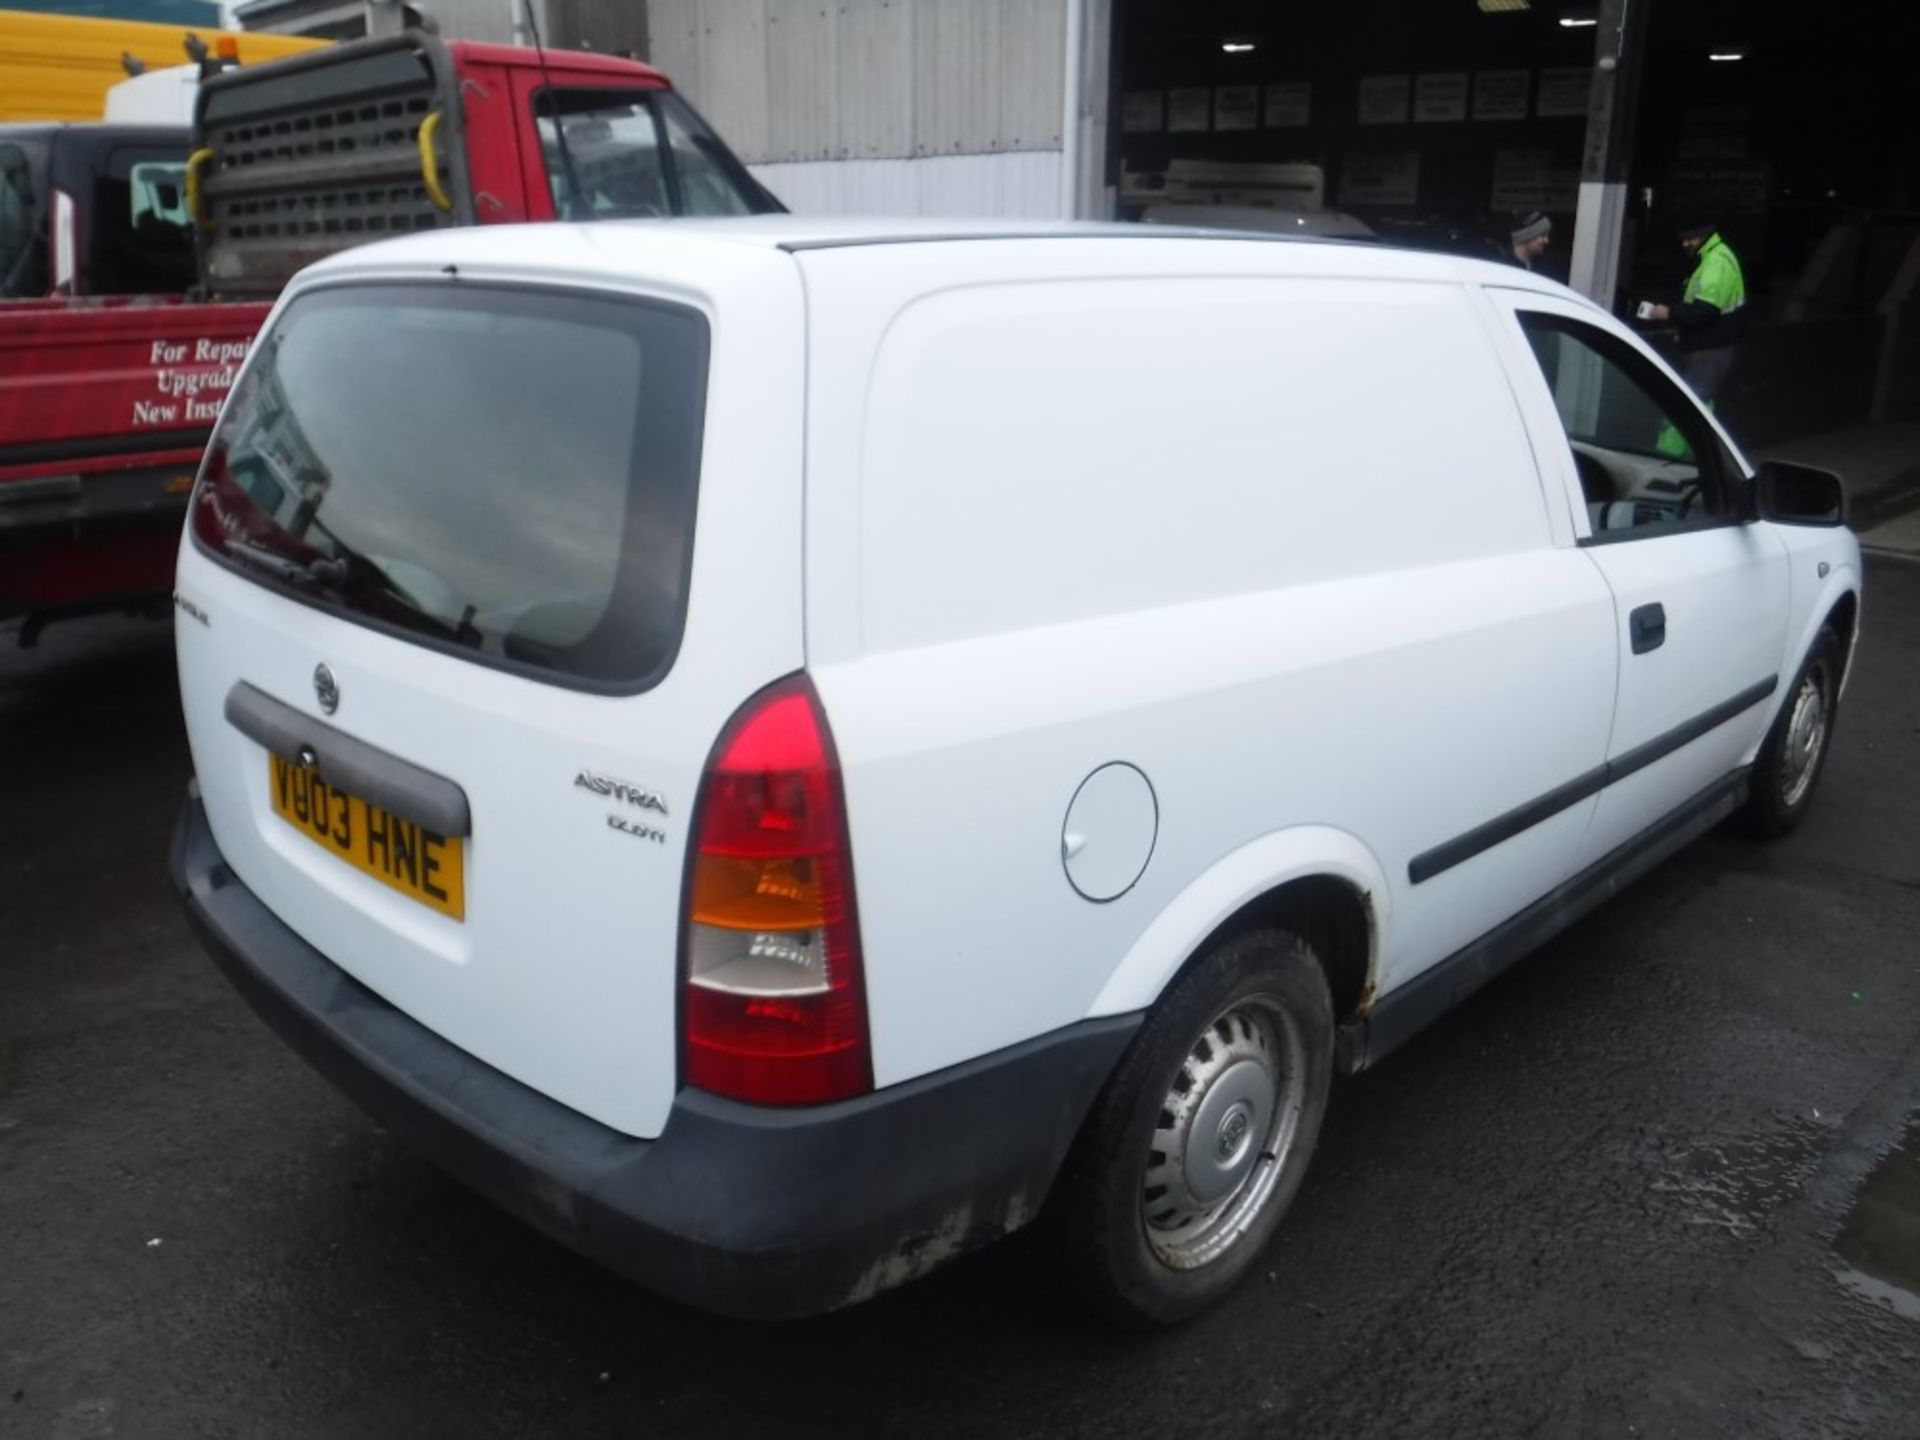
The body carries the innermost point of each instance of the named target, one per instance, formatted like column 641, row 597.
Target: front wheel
column 1196, row 1147
column 1789, row 763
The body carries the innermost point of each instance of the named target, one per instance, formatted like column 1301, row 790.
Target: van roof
column 596, row 245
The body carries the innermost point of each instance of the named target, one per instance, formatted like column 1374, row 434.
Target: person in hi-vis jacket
column 1709, row 314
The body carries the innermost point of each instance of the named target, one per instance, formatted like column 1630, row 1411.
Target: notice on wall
column 1440, row 98
column 1236, row 107
column 1143, row 111
column 1289, row 104
column 1386, row 177
column 1529, row 180
column 1501, row 94
column 1719, row 187
column 1715, row 132
column 1564, row 92
column 1384, row 98
column 1190, row 109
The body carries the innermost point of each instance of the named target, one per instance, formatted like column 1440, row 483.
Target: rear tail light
column 776, row 1010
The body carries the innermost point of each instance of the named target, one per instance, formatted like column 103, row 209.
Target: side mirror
column 1790, row 494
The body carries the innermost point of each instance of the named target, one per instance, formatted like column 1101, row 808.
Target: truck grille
column 324, row 157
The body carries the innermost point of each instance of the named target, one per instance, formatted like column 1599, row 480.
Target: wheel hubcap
column 1806, row 736
column 1225, row 1129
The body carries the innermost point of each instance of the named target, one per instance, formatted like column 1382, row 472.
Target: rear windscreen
column 503, row 473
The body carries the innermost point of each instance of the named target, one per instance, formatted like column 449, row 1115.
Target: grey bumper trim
column 353, row 765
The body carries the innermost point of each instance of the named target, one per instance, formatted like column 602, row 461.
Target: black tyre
column 1795, row 751
column 1197, row 1145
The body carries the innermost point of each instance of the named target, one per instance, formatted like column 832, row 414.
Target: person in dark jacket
column 1532, row 233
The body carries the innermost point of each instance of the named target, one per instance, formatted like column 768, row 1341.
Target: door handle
column 1647, row 628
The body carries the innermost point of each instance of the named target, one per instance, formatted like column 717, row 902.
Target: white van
column 781, row 750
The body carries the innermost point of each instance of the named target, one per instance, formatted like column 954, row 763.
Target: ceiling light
column 1237, row 47
column 1578, row 22
column 1725, row 56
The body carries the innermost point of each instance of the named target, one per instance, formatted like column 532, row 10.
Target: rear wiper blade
column 292, row 572
column 346, row 565
column 334, row 572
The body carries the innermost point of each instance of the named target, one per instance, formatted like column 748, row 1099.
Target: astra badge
column 325, row 689
column 613, row 789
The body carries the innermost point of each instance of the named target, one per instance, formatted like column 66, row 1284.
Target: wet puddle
column 1735, row 1184
column 1880, row 1240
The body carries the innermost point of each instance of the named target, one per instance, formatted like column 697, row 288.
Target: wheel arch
column 1843, row 614
column 1320, row 882
column 1838, row 604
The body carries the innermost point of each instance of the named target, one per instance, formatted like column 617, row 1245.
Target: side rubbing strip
column 1504, row 827
column 386, row 780
column 1445, row 856
column 1660, row 746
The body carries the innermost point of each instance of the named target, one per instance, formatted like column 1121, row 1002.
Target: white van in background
column 781, row 751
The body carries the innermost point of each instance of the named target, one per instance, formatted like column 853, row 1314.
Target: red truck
column 106, row 400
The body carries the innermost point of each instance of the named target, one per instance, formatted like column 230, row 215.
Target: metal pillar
column 1618, row 44
column 1083, row 137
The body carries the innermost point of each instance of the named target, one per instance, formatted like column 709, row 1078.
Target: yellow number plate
column 408, row 857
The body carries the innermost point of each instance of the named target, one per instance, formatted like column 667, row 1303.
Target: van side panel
column 1276, row 541
column 1312, row 413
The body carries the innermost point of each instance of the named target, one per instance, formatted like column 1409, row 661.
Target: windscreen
column 638, row 153
column 507, row 474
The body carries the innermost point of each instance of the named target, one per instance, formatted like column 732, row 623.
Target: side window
column 141, row 241
column 612, row 150
column 1648, row 462
column 712, row 181
column 20, row 267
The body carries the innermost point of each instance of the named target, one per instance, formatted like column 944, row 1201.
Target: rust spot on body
column 1364, row 1005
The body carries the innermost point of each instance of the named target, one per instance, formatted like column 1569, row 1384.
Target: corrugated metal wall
column 490, row 20
column 933, row 107
column 613, row 27
column 1024, row 185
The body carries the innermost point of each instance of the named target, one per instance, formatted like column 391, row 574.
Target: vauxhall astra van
column 781, row 751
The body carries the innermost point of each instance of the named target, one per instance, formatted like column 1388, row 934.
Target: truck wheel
column 1789, row 763
column 1195, row 1148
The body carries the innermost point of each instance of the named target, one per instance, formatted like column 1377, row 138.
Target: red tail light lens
column 775, row 1010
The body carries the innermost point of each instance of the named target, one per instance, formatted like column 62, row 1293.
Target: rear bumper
column 738, row 1210
column 61, row 503
column 72, row 544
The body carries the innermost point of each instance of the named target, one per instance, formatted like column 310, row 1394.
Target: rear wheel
column 1789, row 763
column 1196, row 1147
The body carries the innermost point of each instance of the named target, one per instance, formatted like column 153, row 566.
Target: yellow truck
column 60, row 67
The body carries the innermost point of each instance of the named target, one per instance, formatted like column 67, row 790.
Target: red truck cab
column 308, row 155
column 106, row 402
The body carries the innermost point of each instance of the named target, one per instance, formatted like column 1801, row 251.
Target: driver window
column 1648, row 464
column 613, row 145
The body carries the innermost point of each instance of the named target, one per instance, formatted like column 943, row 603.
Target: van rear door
column 483, row 580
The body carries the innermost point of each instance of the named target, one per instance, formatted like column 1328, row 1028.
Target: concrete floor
column 1650, row 1183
